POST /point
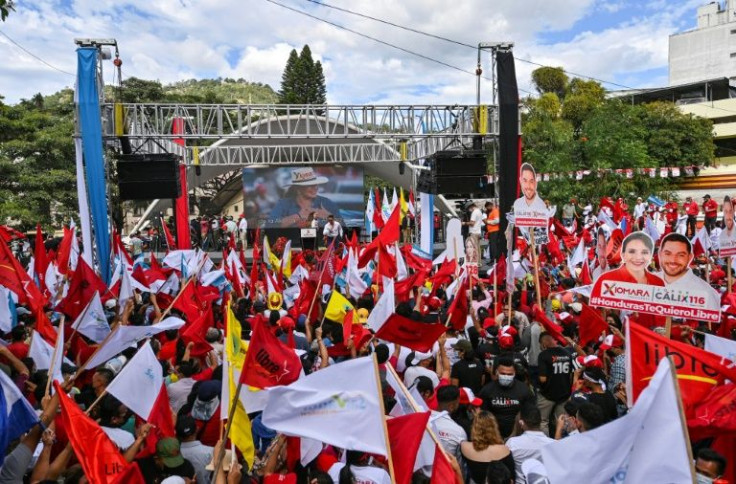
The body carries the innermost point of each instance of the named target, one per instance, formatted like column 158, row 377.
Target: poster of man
column 727, row 237
column 529, row 209
column 675, row 256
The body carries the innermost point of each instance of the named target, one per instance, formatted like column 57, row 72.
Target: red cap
column 611, row 341
column 505, row 341
column 467, row 397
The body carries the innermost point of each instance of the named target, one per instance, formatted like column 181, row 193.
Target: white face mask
column 505, row 380
column 701, row 479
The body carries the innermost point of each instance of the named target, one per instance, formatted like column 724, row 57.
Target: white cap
column 111, row 303
column 419, row 356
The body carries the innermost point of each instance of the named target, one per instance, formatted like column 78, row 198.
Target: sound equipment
column 460, row 174
column 149, row 176
column 509, row 141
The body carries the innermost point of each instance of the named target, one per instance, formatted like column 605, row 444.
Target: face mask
column 701, row 479
column 505, row 380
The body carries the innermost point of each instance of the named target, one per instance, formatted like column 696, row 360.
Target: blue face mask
column 506, row 380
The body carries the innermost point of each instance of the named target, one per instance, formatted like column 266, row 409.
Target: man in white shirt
column 449, row 433
column 675, row 255
column 332, row 231
column 243, row 231
column 530, row 206
column 639, row 209
column 475, row 224
column 528, row 445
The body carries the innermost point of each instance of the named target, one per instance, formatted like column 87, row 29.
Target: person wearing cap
column 468, row 371
column 692, row 210
column 418, row 364
column 192, row 449
column 485, row 446
column 710, row 210
column 206, row 411
column 168, row 461
column 640, row 208
column 468, row 407
column 595, row 391
column 505, row 395
column 301, row 198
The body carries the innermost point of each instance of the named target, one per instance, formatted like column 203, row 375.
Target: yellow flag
column 235, row 349
column 269, row 257
column 403, row 204
column 337, row 307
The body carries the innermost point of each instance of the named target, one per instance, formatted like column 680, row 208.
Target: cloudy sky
column 623, row 41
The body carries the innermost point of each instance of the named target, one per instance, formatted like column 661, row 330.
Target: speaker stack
column 149, row 176
column 459, row 174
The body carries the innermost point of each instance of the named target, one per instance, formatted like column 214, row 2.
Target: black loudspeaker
column 149, row 176
column 453, row 163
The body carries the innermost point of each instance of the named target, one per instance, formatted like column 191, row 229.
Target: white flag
column 401, row 271
column 124, row 337
column 385, row 306
column 6, row 312
column 58, row 356
column 92, row 322
column 42, row 352
column 139, row 383
column 126, row 292
column 370, row 210
column 338, row 405
column 577, row 257
column 721, row 346
column 356, row 285
column 646, row 445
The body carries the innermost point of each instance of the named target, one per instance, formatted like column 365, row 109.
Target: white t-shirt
column 526, row 446
column 367, row 475
column 477, row 218
column 332, row 230
column 451, row 435
column 243, row 225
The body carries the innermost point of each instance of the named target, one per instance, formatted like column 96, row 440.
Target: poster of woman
column 637, row 251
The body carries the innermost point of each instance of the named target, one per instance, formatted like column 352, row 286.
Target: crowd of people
column 499, row 386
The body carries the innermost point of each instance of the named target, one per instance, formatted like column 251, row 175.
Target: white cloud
column 172, row 40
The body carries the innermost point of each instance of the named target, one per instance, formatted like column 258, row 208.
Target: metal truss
column 234, row 121
column 240, row 155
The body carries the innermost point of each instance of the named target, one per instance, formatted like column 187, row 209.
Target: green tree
column 585, row 131
column 303, row 80
column 550, row 80
column 6, row 6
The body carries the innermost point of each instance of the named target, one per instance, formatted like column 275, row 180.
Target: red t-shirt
column 19, row 349
column 691, row 208
column 710, row 208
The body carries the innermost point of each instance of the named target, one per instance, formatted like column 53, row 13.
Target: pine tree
column 303, row 81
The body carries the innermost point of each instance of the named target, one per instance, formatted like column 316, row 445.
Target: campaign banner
column 297, row 196
column 657, row 300
column 727, row 237
column 529, row 209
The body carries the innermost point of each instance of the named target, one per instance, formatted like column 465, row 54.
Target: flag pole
column 50, row 372
column 416, row 409
column 537, row 289
column 102, row 344
column 231, row 415
column 681, row 415
column 495, row 289
column 319, row 283
column 728, row 271
column 383, row 418
column 181, row 291
column 667, row 326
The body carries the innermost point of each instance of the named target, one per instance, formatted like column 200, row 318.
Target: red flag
column 170, row 243
column 130, row 475
column 553, row 329
column 194, row 332
column 40, row 260
column 698, row 371
column 386, row 263
column 591, row 325
column 100, row 458
column 269, row 362
column 119, row 248
column 414, row 261
column 85, row 282
column 63, row 254
column 415, row 335
column 9, row 233
column 377, row 218
column 347, row 325
column 444, row 274
column 387, row 236
column 714, row 415
column 402, row 289
column 188, row 303
column 442, row 471
column 307, row 291
column 163, row 423
column 13, row 277
column 405, row 435
column 585, row 277
column 459, row 308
